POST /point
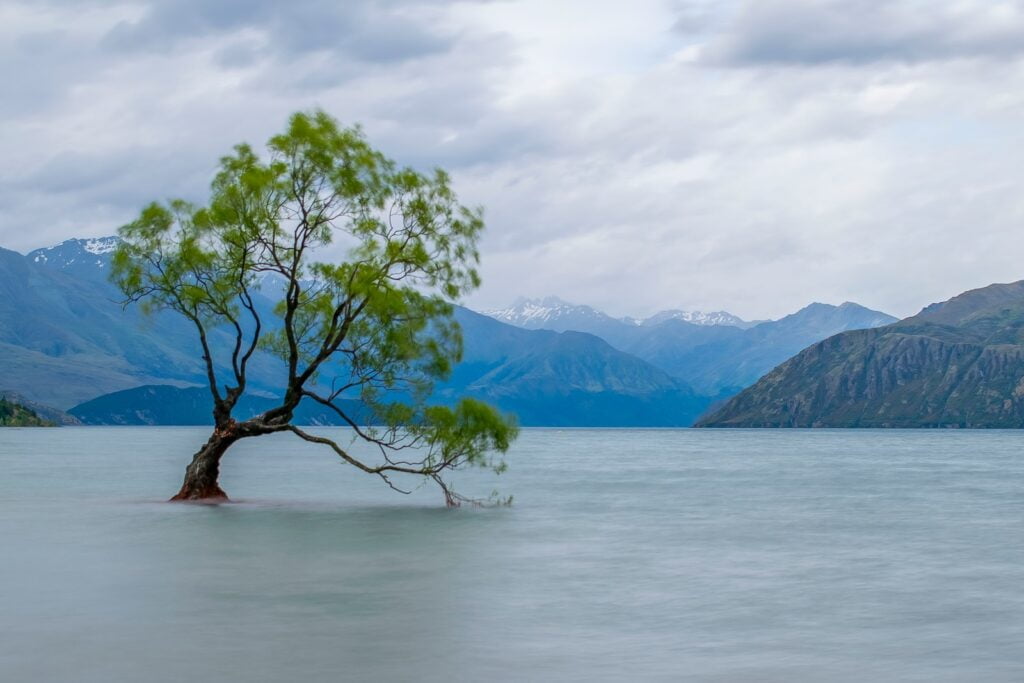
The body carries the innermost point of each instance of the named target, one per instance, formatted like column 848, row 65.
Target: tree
column 374, row 330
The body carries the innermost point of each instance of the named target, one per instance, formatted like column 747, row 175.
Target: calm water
column 628, row 555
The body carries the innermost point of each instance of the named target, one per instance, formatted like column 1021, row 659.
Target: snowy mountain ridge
column 696, row 318
column 551, row 310
column 535, row 313
column 76, row 253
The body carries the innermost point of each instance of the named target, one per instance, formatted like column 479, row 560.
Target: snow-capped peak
column 89, row 254
column 100, row 245
column 553, row 313
column 696, row 318
column 543, row 313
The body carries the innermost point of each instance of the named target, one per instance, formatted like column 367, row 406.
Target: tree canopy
column 363, row 259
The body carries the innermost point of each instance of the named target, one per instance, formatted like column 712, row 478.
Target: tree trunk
column 200, row 485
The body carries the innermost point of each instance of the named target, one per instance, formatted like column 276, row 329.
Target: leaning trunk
column 200, row 483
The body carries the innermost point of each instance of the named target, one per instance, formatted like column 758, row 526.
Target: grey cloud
column 91, row 194
column 695, row 16
column 123, row 177
column 368, row 31
column 237, row 55
column 37, row 68
column 811, row 32
column 164, row 92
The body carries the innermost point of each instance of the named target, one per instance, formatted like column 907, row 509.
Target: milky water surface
column 627, row 555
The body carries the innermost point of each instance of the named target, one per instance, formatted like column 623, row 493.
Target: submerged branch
column 424, row 468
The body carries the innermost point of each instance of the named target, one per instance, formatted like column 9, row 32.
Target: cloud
column 684, row 153
column 813, row 32
column 365, row 30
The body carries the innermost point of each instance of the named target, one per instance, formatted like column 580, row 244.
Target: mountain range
column 553, row 313
column 545, row 378
column 959, row 363
column 65, row 337
column 66, row 341
column 715, row 359
column 169, row 405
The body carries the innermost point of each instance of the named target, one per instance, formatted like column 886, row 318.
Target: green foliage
column 375, row 324
column 472, row 428
column 15, row 415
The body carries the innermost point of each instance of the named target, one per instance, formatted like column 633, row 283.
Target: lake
column 707, row 555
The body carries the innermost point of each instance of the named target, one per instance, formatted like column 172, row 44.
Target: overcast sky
column 747, row 156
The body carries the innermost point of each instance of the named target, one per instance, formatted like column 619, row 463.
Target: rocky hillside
column 959, row 363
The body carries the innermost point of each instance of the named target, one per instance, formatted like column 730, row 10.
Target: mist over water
column 628, row 555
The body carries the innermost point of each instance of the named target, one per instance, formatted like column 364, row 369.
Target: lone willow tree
column 365, row 338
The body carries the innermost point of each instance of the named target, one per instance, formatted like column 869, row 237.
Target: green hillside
column 15, row 415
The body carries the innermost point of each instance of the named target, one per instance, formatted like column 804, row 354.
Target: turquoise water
column 628, row 555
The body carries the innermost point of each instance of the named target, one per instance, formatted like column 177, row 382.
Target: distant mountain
column 87, row 257
column 567, row 378
column 552, row 313
column 64, row 336
column 65, row 340
column 959, row 363
column 714, row 358
column 723, row 359
column 697, row 318
column 168, row 405
column 546, row 378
